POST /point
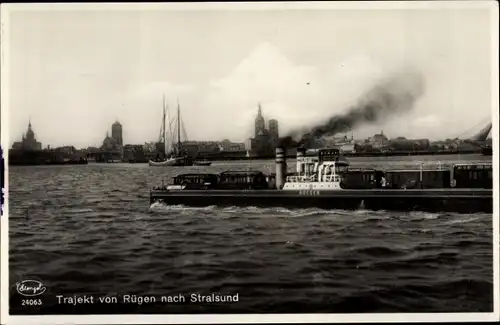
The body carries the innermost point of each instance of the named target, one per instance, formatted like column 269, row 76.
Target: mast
column 163, row 128
column 178, row 127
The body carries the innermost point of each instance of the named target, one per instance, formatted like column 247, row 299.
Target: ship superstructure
column 323, row 172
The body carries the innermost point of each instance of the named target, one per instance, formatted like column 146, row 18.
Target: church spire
column 260, row 124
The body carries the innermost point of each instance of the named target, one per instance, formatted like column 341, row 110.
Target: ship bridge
column 325, row 168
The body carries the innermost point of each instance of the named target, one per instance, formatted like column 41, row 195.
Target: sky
column 74, row 73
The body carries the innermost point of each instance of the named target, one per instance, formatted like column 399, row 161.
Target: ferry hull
column 447, row 200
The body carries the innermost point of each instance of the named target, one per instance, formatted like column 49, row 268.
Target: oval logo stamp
column 30, row 288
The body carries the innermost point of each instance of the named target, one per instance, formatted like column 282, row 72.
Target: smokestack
column 280, row 167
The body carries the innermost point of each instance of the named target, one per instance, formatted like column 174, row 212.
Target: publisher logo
column 30, row 288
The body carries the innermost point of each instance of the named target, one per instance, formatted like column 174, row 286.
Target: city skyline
column 78, row 75
column 349, row 136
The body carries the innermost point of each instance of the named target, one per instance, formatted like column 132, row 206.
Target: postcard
column 260, row 162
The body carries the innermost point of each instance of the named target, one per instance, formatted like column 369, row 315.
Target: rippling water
column 90, row 230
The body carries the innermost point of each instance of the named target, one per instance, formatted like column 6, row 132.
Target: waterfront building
column 134, row 153
column 112, row 147
column 379, row 141
column 213, row 148
column 149, row 147
column 109, row 143
column 228, row 146
column 28, row 142
column 117, row 133
column 402, row 144
column 65, row 150
column 264, row 141
column 343, row 142
column 273, row 131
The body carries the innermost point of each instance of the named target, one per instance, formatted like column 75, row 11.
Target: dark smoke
column 287, row 142
column 393, row 95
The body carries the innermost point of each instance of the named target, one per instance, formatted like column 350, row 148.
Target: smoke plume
column 394, row 95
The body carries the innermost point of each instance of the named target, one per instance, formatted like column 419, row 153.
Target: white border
column 495, row 106
column 249, row 318
column 4, row 141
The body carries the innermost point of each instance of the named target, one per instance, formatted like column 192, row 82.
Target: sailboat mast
column 164, row 128
column 178, row 126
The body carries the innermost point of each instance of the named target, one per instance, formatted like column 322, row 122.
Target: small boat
column 167, row 162
column 177, row 157
column 202, row 163
column 172, row 161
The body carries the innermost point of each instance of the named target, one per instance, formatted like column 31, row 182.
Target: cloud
column 428, row 121
column 297, row 95
column 156, row 89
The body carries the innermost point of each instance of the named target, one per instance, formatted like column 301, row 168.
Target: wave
column 462, row 220
column 162, row 207
column 379, row 251
column 297, row 212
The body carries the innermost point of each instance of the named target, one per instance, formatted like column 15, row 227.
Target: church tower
column 260, row 124
column 117, row 133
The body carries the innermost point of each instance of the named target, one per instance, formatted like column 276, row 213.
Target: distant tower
column 30, row 135
column 117, row 133
column 29, row 141
column 260, row 124
column 273, row 130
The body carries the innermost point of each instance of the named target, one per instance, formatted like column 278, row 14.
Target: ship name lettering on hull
column 309, row 192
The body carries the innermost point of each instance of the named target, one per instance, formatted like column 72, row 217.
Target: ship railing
column 437, row 165
column 332, row 178
column 301, row 179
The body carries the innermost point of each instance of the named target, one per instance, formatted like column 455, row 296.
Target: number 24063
column 32, row 302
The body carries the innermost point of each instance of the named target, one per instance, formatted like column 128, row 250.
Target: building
column 228, row 146
column 149, row 147
column 66, row 150
column 343, row 142
column 117, row 133
column 134, row 153
column 260, row 124
column 115, row 142
column 403, row 144
column 113, row 146
column 264, row 140
column 273, row 131
column 28, row 142
column 379, row 141
column 213, row 148
column 348, row 148
column 109, row 144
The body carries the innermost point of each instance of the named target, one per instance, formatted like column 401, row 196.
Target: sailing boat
column 176, row 157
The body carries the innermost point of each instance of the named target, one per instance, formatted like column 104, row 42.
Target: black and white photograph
column 249, row 162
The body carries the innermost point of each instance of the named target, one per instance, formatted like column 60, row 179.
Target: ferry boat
column 326, row 181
